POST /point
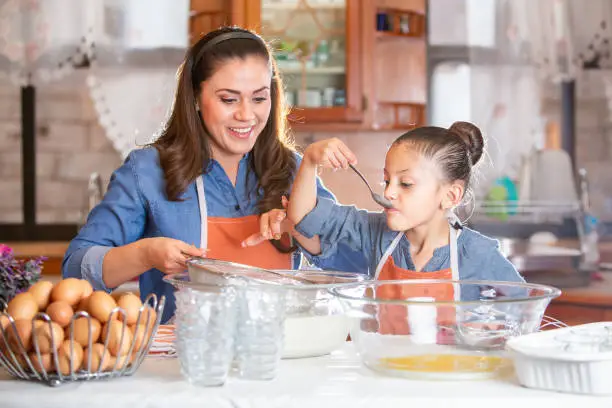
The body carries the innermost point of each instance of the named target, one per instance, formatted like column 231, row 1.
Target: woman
column 223, row 158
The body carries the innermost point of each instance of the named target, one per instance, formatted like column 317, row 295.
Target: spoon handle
column 361, row 176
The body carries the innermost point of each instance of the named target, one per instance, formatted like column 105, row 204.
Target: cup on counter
column 205, row 332
column 260, row 332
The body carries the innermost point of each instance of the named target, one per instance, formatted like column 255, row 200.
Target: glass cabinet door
column 313, row 52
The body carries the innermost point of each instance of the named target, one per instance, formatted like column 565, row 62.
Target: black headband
column 233, row 35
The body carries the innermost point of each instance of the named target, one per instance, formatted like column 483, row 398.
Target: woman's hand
column 169, row 255
column 330, row 153
column 272, row 225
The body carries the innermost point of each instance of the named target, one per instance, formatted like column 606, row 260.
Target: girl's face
column 235, row 103
column 413, row 185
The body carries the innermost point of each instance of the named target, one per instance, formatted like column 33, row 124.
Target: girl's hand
column 169, row 255
column 330, row 153
column 272, row 225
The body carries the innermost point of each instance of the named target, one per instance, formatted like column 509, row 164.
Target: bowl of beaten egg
column 69, row 332
column 443, row 330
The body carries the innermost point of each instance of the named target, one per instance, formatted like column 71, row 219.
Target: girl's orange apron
column 394, row 319
column 223, row 237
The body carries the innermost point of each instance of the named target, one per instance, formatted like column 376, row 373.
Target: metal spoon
column 375, row 196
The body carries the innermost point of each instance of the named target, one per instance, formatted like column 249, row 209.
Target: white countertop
column 338, row 380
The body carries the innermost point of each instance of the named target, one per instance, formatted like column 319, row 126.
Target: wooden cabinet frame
column 247, row 13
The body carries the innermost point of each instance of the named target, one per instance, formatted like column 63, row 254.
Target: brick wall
column 70, row 145
column 593, row 136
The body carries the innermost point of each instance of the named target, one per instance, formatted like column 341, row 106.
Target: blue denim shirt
column 135, row 206
column 479, row 256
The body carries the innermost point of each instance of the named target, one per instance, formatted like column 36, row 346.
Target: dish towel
column 163, row 342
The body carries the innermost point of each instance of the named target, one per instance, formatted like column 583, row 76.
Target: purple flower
column 5, row 251
column 16, row 275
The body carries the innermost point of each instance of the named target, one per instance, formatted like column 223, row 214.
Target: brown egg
column 60, row 312
column 95, row 357
column 117, row 294
column 100, row 306
column 148, row 317
column 139, row 336
column 69, row 290
column 23, row 333
column 41, row 291
column 82, row 306
column 21, row 360
column 43, row 336
column 87, row 289
column 121, row 362
column 45, row 359
column 81, row 330
column 4, row 321
column 23, row 307
column 116, row 345
column 69, row 361
column 130, row 303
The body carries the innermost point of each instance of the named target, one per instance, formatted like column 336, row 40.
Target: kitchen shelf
column 415, row 115
column 530, row 212
column 416, row 23
column 317, row 6
column 392, row 35
column 340, row 70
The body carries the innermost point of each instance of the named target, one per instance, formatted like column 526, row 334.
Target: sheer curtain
column 42, row 40
column 132, row 78
column 134, row 48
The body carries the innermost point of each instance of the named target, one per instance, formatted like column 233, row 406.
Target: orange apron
column 223, row 237
column 401, row 319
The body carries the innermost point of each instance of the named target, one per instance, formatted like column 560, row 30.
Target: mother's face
column 235, row 103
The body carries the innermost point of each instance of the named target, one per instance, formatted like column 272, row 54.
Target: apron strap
column 455, row 231
column 454, row 253
column 388, row 253
column 203, row 212
column 454, row 256
column 454, row 261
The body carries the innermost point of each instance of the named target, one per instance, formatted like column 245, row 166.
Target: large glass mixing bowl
column 410, row 328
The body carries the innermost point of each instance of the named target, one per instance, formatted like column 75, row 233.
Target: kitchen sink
column 560, row 267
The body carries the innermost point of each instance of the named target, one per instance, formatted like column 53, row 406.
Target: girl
column 427, row 173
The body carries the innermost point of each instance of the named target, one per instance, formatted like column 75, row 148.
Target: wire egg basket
column 47, row 357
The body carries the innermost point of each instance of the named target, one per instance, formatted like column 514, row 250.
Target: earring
column 453, row 219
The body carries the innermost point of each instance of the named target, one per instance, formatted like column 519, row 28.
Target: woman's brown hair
column 184, row 145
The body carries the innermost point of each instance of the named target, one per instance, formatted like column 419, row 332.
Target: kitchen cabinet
column 318, row 52
column 341, row 70
column 397, row 48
